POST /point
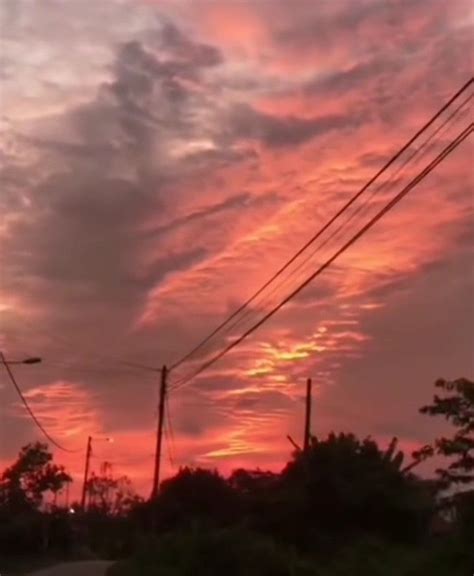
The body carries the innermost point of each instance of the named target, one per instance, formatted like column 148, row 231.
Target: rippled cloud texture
column 160, row 160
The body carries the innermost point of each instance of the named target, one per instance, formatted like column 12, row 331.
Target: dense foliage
column 24, row 484
column 342, row 507
column 457, row 406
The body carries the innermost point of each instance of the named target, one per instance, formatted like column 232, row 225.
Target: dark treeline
column 343, row 507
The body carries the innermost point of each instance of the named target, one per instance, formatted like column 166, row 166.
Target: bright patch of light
column 183, row 149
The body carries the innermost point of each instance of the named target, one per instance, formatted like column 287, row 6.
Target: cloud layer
column 160, row 162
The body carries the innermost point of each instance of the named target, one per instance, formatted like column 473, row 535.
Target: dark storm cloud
column 106, row 177
column 187, row 51
column 103, row 170
column 246, row 122
column 156, row 83
column 147, row 92
column 80, row 224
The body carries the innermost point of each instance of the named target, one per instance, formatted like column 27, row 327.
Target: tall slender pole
column 67, row 495
column 86, row 472
column 159, row 431
column 307, row 426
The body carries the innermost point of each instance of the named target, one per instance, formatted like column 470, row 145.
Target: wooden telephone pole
column 307, row 426
column 86, row 473
column 159, row 431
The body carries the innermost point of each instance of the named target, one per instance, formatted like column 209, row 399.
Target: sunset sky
column 160, row 160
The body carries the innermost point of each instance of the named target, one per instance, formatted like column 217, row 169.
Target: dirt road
column 89, row 568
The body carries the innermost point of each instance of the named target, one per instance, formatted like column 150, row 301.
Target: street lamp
column 86, row 468
column 32, row 360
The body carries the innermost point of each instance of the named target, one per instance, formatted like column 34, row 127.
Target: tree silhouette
column 457, row 406
column 254, row 482
column 24, row 484
column 24, row 526
column 111, row 495
column 195, row 493
column 258, row 494
column 343, row 485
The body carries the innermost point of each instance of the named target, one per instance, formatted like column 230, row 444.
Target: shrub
column 227, row 552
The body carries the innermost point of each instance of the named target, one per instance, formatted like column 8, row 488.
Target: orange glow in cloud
column 66, row 408
column 139, row 214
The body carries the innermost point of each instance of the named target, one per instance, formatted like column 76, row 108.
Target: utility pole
column 86, row 473
column 307, row 427
column 159, row 431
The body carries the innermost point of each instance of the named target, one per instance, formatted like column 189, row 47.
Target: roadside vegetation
column 343, row 507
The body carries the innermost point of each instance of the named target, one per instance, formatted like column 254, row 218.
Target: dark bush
column 226, row 552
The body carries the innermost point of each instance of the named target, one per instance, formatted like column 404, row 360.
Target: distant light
column 71, row 511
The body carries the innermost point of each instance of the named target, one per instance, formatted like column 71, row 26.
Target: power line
column 412, row 184
column 140, row 366
column 101, row 361
column 66, row 345
column 30, row 411
column 88, row 369
column 388, row 184
column 326, row 226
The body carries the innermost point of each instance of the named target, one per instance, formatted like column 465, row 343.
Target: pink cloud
column 136, row 234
